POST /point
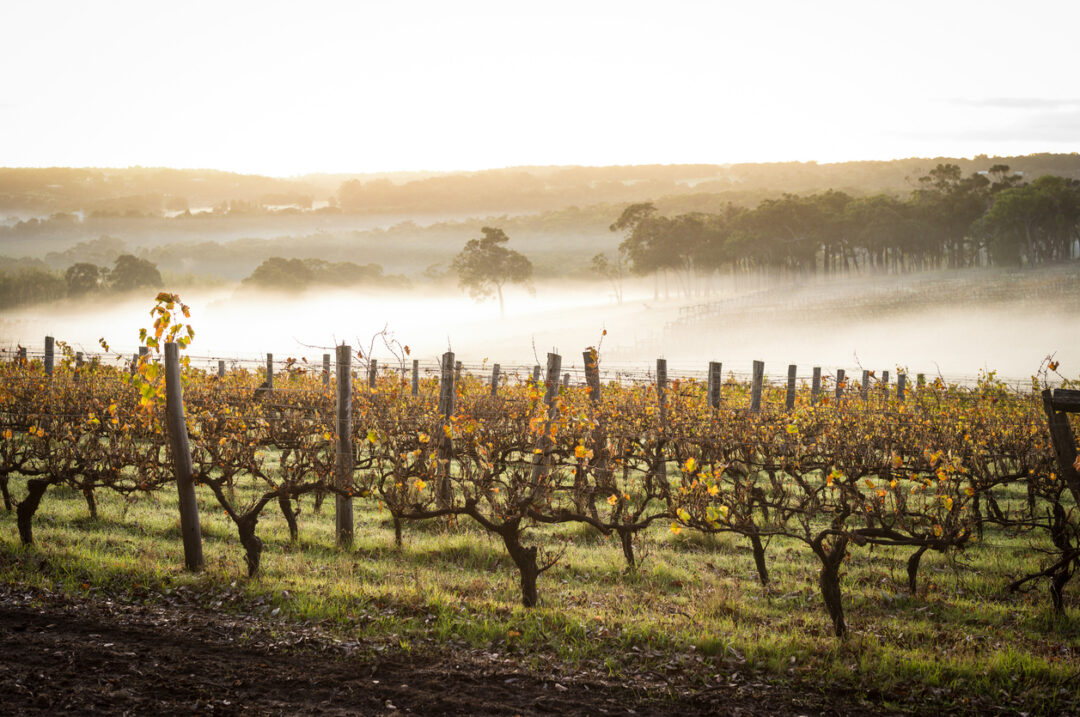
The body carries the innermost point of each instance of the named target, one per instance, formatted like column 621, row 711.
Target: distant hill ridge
column 142, row 191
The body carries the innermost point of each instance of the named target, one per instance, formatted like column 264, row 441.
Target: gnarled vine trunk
column 829, row 580
column 525, row 560
column 759, row 558
column 253, row 545
column 285, row 503
column 24, row 513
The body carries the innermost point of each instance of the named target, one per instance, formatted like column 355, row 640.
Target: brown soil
column 60, row 655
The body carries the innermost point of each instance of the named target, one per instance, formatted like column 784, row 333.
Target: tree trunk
column 913, row 568
column 6, row 493
column 397, row 532
column 759, row 558
column 525, row 559
column 285, row 504
column 35, row 489
column 502, row 307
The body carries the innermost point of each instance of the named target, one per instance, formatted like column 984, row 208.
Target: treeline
column 299, row 274
column 82, row 279
column 949, row 221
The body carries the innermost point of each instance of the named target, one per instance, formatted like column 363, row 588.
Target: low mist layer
column 939, row 323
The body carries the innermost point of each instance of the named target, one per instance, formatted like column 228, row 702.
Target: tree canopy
column 299, row 274
column 948, row 221
column 130, row 272
column 485, row 265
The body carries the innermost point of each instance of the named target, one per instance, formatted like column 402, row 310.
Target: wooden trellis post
column 50, row 355
column 756, row 382
column 716, row 380
column 592, row 373
column 181, row 460
column 269, row 372
column 343, row 448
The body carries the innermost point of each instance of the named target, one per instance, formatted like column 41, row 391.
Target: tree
column 485, row 265
column 131, row 272
column 280, row 273
column 83, row 277
column 612, row 271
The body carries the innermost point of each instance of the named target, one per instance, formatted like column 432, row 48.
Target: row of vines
column 930, row 471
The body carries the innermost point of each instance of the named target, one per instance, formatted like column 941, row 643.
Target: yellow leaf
column 676, row 528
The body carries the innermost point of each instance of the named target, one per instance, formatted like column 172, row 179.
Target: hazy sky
column 286, row 88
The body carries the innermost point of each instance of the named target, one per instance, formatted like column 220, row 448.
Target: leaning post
column 181, row 459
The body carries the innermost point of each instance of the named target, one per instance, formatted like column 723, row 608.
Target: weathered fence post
column 457, row 372
column 789, row 402
column 446, row 410
column 343, row 453
column 1056, row 403
column 78, row 364
column 839, row 385
column 22, row 356
column 495, row 380
column 536, row 374
column 326, row 371
column 661, row 389
column 551, row 392
column 592, row 373
column 815, row 387
column 885, row 385
column 755, row 386
column 901, row 386
column 269, row 372
column 372, row 372
column 715, row 381
column 416, row 377
column 181, row 460
column 221, row 368
column 864, row 389
column 50, row 354
column 566, row 380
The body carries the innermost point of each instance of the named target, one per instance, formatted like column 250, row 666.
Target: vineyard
column 835, row 495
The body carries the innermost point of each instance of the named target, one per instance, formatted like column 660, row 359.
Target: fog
column 935, row 324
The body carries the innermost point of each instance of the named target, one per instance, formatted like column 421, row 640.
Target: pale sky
column 289, row 88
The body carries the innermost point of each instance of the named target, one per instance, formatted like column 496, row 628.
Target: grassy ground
column 694, row 609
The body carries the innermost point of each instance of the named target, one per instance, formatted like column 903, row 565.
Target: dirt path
column 61, row 655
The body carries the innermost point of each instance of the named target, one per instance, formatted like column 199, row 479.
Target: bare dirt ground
column 59, row 655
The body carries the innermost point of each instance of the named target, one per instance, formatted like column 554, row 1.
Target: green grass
column 694, row 607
